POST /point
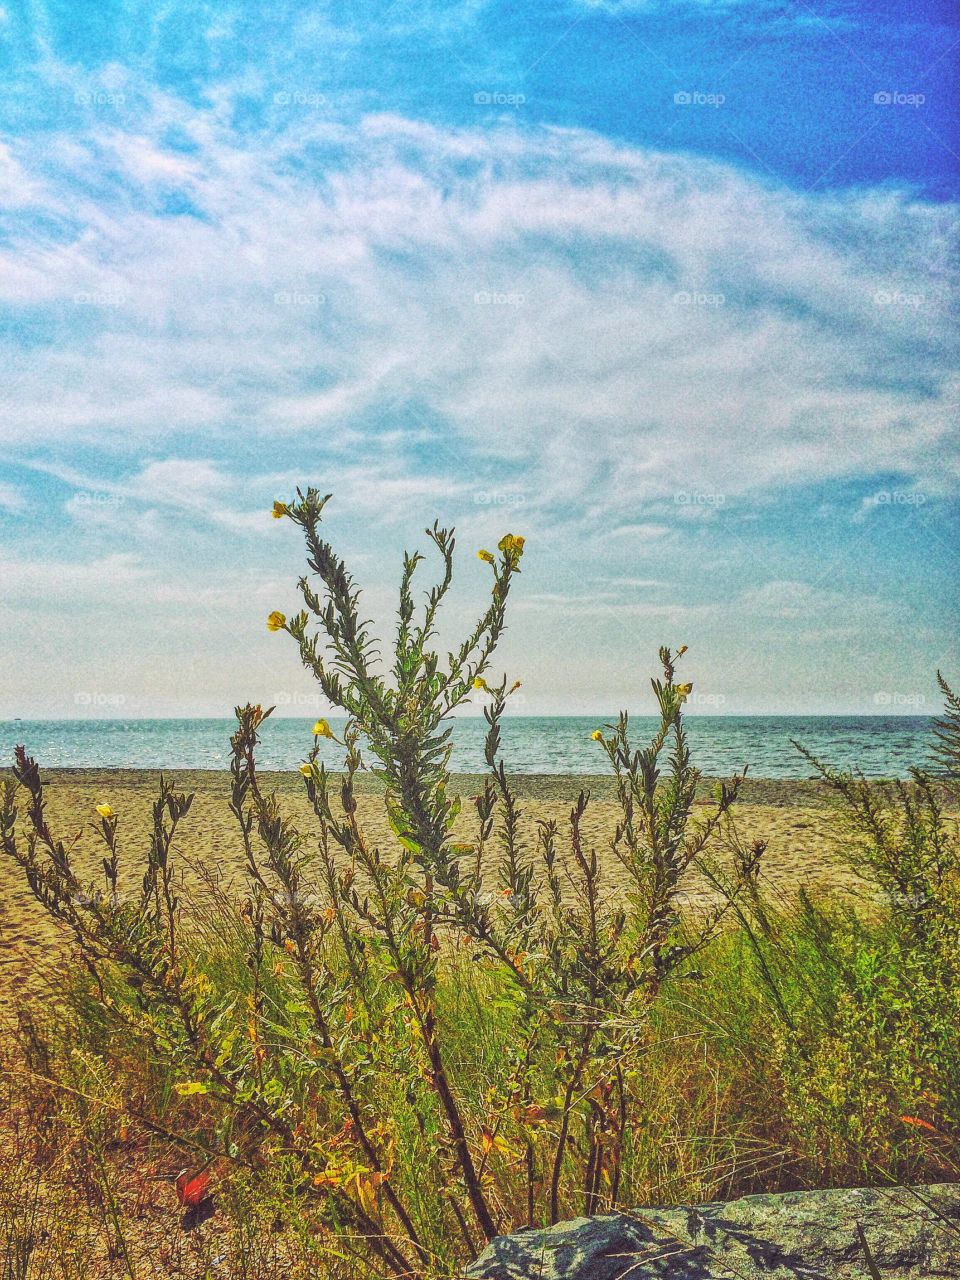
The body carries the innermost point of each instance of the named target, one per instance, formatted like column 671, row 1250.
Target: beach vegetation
column 381, row 1057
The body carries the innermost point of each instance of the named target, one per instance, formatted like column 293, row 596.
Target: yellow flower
column 486, row 556
column 597, row 735
column 276, row 621
column 306, row 770
column 511, row 544
column 479, row 682
column 104, row 811
column 280, row 509
column 515, row 686
column 322, row 730
column 681, row 651
column 684, row 690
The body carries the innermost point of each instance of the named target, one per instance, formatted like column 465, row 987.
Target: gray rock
column 803, row 1235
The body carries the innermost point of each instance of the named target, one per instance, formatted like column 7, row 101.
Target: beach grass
column 732, row 1094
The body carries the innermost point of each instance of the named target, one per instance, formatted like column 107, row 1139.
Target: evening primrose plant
column 334, row 1059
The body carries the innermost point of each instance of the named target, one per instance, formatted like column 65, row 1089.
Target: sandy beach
column 796, row 818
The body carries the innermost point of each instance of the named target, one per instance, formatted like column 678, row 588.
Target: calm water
column 880, row 746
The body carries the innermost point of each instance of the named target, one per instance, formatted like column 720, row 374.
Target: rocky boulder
column 803, row 1235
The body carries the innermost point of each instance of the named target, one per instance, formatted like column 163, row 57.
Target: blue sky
column 669, row 287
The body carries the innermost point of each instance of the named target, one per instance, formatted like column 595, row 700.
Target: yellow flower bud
column 681, row 651
column 276, row 621
column 307, row 770
column 479, row 682
column 280, row 509
column 597, row 735
column 486, row 556
column 104, row 811
column 322, row 730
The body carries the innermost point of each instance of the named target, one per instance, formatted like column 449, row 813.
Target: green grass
column 787, row 1062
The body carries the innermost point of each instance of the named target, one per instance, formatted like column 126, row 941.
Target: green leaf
column 400, row 826
column 868, row 1256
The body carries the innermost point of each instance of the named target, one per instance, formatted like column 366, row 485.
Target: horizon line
column 545, row 715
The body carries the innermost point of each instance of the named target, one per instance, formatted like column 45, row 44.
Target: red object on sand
column 191, row 1189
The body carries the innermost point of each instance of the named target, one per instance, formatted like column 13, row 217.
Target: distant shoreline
column 602, row 717
column 777, row 792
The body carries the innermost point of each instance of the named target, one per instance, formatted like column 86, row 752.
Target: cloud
column 642, row 7
column 620, row 326
column 625, row 354
column 53, row 580
column 11, row 499
column 641, row 532
column 770, row 13
column 815, row 602
column 16, row 188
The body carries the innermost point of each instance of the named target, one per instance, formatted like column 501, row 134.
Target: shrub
column 865, row 1002
column 427, row 1045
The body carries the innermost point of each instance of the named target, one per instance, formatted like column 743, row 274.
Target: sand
column 797, row 819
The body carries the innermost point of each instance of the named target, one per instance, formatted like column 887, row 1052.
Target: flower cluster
column 511, row 544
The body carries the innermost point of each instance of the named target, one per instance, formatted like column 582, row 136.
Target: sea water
column 881, row 746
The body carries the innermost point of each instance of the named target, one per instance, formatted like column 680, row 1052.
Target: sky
column 667, row 286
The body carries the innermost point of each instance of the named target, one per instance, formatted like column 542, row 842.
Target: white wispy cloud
column 11, row 499
column 620, row 324
column 613, row 349
column 26, row 578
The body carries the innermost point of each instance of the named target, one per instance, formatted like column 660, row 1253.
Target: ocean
column 882, row 746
